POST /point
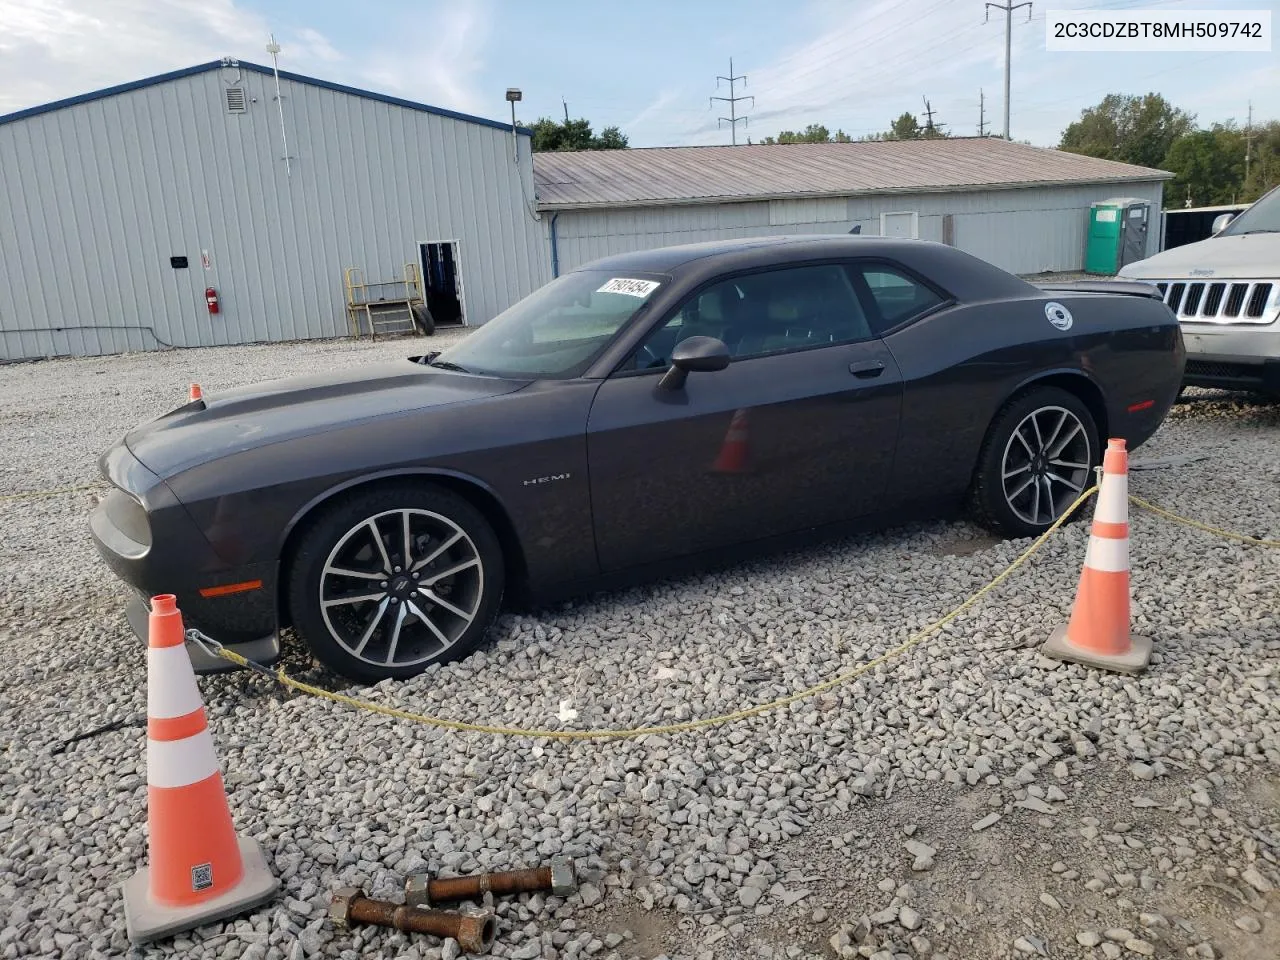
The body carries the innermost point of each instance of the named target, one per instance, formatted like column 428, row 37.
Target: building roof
column 658, row 176
column 252, row 68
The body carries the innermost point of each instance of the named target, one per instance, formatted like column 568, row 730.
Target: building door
column 442, row 282
column 903, row 224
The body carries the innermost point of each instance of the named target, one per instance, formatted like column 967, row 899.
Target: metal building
column 120, row 209
column 1023, row 208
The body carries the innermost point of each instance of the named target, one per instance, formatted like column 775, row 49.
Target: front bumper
column 265, row 650
column 1233, row 357
column 148, row 539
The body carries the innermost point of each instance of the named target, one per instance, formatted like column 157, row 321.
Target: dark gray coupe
column 679, row 404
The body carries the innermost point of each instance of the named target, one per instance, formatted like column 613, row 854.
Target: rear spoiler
column 1128, row 288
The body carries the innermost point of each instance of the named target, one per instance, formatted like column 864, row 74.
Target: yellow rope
column 1197, row 525
column 32, row 494
column 687, row 725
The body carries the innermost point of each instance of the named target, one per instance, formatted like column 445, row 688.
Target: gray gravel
column 920, row 811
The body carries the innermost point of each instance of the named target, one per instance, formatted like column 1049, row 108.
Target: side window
column 897, row 296
column 763, row 313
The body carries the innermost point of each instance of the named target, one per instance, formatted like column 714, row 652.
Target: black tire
column 340, row 535
column 992, row 502
column 422, row 317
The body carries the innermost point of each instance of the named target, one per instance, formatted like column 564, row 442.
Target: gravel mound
column 969, row 799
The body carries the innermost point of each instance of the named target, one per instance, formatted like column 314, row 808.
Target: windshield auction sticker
column 632, row 288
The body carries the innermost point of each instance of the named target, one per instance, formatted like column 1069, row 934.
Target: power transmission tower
column 982, row 113
column 733, row 118
column 928, row 112
column 1008, row 9
column 1248, row 144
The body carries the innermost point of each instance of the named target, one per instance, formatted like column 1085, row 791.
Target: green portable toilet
column 1117, row 234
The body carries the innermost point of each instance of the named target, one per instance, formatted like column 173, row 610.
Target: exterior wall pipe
column 555, row 251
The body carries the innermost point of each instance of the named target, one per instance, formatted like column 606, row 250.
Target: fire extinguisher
column 211, row 299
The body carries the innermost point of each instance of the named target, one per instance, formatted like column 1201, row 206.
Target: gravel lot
column 968, row 800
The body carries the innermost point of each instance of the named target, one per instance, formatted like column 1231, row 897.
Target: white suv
column 1226, row 293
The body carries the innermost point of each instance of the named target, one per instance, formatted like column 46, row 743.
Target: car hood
column 242, row 418
column 1253, row 256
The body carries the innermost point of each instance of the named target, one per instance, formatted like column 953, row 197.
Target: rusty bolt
column 417, row 890
column 420, row 889
column 474, row 932
column 563, row 880
column 340, row 905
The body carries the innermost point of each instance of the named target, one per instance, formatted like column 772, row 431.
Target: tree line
column 1221, row 163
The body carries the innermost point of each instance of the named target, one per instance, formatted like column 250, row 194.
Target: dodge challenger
column 642, row 413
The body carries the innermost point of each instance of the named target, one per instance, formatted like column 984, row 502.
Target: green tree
column 611, row 138
column 813, row 133
column 1264, row 161
column 1129, row 129
column 558, row 136
column 906, row 127
column 1209, row 165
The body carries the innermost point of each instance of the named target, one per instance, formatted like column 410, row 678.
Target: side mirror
column 695, row 354
column 1220, row 222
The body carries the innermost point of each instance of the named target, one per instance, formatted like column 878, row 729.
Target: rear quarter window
column 897, row 296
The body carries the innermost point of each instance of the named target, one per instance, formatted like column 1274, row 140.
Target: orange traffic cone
column 200, row 871
column 733, row 456
column 1098, row 632
column 195, row 392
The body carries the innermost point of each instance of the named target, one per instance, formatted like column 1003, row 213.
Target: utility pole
column 1248, row 144
column 566, row 111
column 928, row 113
column 1008, row 9
column 732, row 100
column 982, row 113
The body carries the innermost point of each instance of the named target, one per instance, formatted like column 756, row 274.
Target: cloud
column 59, row 48
column 314, row 45
column 437, row 59
column 50, row 49
column 655, row 110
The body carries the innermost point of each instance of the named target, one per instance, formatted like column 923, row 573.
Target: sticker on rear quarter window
column 632, row 288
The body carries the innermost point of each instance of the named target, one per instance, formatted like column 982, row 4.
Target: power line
column 732, row 100
column 1008, row 9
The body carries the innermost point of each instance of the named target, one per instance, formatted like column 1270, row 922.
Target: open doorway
column 442, row 283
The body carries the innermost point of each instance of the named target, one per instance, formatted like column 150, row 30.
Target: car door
column 799, row 429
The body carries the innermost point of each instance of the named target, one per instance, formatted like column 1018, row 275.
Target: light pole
column 514, row 96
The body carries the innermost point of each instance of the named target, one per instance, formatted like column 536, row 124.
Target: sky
column 648, row 68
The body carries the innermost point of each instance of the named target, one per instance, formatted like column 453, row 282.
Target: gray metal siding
column 96, row 197
column 1025, row 231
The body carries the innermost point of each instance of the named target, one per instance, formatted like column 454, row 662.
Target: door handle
column 866, row 369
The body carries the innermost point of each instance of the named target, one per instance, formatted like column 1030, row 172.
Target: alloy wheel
column 1045, row 465
column 401, row 587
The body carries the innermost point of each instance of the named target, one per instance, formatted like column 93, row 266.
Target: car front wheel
column 388, row 581
column 1037, row 459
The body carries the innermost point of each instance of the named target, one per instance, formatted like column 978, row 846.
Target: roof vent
column 236, row 100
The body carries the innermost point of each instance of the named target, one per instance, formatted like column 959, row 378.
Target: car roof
column 669, row 259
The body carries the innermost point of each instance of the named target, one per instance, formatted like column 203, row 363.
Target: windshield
column 1262, row 217
column 556, row 331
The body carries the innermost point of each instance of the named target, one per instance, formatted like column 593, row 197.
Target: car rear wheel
column 1037, row 458
column 389, row 581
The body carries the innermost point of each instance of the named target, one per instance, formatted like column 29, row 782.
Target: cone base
column 146, row 921
column 1058, row 647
